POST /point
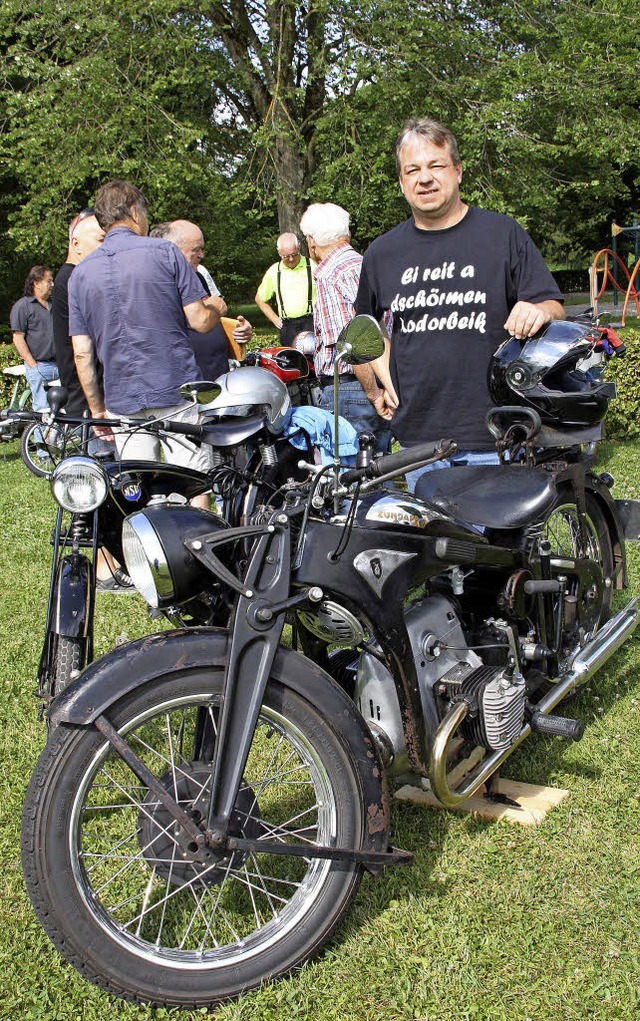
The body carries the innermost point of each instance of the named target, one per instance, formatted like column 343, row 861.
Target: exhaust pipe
column 580, row 668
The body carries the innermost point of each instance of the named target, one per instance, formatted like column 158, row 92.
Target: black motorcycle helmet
column 541, row 372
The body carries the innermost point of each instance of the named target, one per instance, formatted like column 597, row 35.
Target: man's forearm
column 367, row 379
column 88, row 376
column 268, row 312
column 22, row 348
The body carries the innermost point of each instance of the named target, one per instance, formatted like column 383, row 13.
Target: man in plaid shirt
column 360, row 400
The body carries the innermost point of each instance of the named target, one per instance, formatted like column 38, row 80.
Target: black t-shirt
column 210, row 348
column 77, row 404
column 450, row 292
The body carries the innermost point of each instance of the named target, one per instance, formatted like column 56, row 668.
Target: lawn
column 493, row 922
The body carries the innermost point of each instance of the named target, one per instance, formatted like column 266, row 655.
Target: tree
column 236, row 113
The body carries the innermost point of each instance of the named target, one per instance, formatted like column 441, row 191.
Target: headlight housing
column 79, row 484
column 158, row 562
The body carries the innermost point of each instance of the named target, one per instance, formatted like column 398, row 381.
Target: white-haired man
column 360, row 398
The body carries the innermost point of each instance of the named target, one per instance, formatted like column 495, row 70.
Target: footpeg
column 557, row 726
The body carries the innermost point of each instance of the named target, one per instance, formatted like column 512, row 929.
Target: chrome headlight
column 145, row 558
column 155, row 552
column 79, row 484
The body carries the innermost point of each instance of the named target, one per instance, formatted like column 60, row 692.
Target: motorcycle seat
column 490, row 496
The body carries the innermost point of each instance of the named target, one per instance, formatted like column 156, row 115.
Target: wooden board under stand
column 533, row 802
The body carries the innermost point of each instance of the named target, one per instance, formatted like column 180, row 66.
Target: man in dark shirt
column 130, row 303
column 32, row 333
column 458, row 281
column 211, row 349
column 85, row 234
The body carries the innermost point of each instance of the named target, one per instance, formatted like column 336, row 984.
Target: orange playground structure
column 605, row 264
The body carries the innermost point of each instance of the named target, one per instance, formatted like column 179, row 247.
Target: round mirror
column 204, row 391
column 364, row 337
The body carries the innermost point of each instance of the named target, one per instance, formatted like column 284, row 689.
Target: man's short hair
column 34, row 276
column 326, row 223
column 431, row 131
column 161, row 230
column 114, row 201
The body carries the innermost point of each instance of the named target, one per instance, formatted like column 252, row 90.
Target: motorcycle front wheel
column 124, row 897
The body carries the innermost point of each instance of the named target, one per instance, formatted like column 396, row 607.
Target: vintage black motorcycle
column 202, row 813
column 94, row 495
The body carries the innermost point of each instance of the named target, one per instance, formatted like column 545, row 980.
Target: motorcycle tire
column 122, row 896
column 561, row 527
column 68, row 661
column 43, row 447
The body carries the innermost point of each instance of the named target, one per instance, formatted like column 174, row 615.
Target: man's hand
column 105, row 432
column 526, row 318
column 243, row 331
column 383, row 403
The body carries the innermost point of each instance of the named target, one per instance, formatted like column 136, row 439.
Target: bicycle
column 44, row 444
column 11, row 428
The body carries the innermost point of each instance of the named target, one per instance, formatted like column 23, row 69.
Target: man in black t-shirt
column 458, row 281
column 85, row 234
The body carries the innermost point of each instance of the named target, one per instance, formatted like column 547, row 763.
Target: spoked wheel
column 42, row 447
column 132, row 903
column 562, row 529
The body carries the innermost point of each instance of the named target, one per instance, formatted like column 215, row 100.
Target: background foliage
column 236, row 114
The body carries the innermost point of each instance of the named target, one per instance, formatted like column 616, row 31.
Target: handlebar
column 394, row 464
column 184, row 428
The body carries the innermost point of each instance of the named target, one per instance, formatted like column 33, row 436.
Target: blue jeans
column 468, row 457
column 355, row 406
column 42, row 372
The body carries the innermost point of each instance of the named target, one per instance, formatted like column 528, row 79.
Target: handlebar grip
column 389, row 464
column 185, row 428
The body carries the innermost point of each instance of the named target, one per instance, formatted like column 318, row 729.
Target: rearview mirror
column 363, row 340
column 201, row 392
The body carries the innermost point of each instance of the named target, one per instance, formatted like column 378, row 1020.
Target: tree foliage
column 236, row 113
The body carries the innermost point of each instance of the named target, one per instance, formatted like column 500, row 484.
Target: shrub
column 569, row 280
column 623, row 417
column 8, row 356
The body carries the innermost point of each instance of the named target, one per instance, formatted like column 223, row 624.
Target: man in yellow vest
column 291, row 282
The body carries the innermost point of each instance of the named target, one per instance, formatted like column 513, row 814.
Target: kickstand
column 491, row 794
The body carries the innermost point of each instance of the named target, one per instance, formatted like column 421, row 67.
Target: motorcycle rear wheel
column 42, row 447
column 562, row 529
column 126, row 902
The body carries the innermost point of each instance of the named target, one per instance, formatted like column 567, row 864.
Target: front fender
column 72, row 602
column 108, row 679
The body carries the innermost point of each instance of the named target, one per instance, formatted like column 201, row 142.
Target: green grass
column 493, row 922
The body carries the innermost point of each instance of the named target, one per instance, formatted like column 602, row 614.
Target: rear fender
column 108, row 679
column 609, row 507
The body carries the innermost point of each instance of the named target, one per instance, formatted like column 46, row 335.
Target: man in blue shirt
column 130, row 305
